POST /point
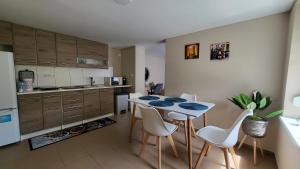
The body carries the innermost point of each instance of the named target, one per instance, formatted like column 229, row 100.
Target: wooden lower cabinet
column 91, row 103
column 52, row 110
column 31, row 113
column 106, row 101
column 72, row 106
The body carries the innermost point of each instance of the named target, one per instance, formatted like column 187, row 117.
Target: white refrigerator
column 9, row 119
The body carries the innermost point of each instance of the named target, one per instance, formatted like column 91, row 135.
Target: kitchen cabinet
column 91, row 103
column 72, row 106
column 46, row 50
column 24, row 45
column 91, row 54
column 6, row 33
column 52, row 110
column 106, row 101
column 66, row 50
column 30, row 113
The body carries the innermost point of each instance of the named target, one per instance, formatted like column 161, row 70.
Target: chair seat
column 178, row 116
column 170, row 127
column 214, row 135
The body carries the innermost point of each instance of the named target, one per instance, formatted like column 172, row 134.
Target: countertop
column 74, row 89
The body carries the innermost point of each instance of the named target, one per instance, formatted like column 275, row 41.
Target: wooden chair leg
column 209, row 147
column 205, row 119
column 225, row 150
column 171, row 141
column 260, row 147
column 132, row 122
column 193, row 130
column 145, row 140
column 232, row 152
column 204, row 148
column 159, row 151
column 254, row 151
column 186, row 133
column 242, row 141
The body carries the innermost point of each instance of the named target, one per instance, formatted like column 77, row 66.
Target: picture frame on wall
column 192, row 51
column 219, row 51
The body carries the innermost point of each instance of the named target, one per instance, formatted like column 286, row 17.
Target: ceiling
column 140, row 22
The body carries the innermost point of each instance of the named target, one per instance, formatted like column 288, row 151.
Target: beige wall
column 292, row 87
column 287, row 151
column 115, row 61
column 140, row 68
column 257, row 52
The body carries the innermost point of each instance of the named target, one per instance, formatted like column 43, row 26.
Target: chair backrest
column 187, row 96
column 153, row 122
column 158, row 88
column 233, row 132
column 134, row 96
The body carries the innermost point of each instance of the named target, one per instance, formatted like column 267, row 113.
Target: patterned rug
column 56, row 136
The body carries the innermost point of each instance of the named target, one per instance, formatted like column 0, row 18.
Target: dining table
column 200, row 109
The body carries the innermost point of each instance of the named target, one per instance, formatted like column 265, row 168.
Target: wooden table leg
column 190, row 151
column 204, row 119
column 132, row 121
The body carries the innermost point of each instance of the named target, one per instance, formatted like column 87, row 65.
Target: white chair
column 222, row 138
column 178, row 118
column 137, row 115
column 154, row 125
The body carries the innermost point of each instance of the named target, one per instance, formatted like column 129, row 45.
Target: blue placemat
column 175, row 99
column 193, row 106
column 149, row 98
column 160, row 103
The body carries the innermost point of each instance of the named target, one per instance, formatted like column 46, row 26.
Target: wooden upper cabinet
column 24, row 45
column 87, row 48
column 46, row 48
column 66, row 50
column 6, row 33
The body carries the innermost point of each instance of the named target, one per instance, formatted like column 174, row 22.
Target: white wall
column 257, row 54
column 155, row 62
column 61, row 76
column 140, row 68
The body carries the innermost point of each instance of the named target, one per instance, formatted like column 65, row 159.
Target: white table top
column 175, row 107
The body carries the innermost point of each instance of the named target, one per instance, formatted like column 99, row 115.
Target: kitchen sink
column 72, row 87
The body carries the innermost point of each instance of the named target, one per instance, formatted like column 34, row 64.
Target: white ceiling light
column 123, row 2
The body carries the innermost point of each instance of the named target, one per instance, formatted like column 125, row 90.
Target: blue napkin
column 175, row 99
column 193, row 106
column 160, row 103
column 149, row 98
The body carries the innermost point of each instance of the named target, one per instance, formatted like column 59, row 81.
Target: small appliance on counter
column 26, row 79
column 111, row 81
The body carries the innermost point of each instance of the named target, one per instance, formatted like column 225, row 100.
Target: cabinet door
column 72, row 106
column 31, row 113
column 24, row 45
column 107, row 101
column 91, row 104
column 86, row 48
column 52, row 110
column 6, row 33
column 66, row 50
column 46, row 51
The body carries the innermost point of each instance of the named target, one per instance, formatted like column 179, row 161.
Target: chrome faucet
column 92, row 81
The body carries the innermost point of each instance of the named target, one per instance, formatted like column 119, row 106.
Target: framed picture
column 219, row 51
column 192, row 51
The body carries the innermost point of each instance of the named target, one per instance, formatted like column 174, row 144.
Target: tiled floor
column 108, row 148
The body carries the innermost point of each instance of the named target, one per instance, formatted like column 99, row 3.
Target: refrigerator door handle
column 8, row 109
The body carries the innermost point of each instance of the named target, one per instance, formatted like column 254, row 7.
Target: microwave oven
column 111, row 81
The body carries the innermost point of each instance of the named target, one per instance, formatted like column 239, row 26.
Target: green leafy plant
column 257, row 103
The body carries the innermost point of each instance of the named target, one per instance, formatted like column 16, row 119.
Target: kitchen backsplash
column 61, row 76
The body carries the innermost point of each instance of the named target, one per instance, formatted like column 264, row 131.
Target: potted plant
column 256, row 124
